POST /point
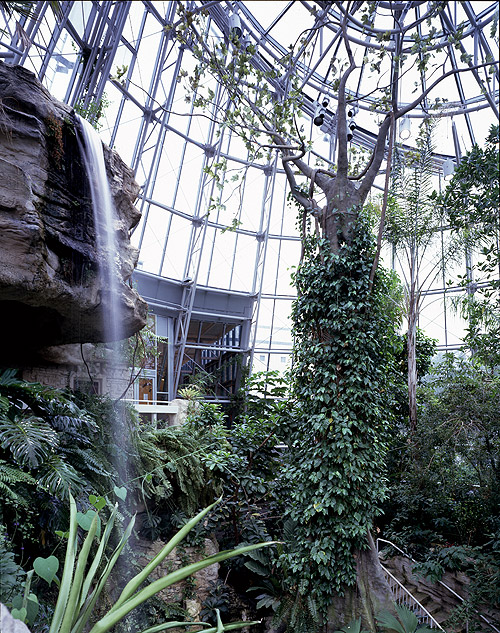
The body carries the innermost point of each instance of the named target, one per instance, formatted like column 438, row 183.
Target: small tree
column 415, row 229
column 471, row 201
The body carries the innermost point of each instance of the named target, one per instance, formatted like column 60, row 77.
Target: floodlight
column 449, row 167
column 235, row 30
column 405, row 128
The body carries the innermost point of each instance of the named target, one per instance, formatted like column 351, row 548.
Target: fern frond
column 87, row 459
column 10, row 478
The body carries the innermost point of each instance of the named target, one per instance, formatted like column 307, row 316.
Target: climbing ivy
column 344, row 341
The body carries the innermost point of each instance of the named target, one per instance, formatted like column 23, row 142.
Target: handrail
column 443, row 584
column 414, row 600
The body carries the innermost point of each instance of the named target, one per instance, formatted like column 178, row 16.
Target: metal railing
column 440, row 582
column 402, row 596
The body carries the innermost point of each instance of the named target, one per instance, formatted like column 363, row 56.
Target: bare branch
column 384, row 206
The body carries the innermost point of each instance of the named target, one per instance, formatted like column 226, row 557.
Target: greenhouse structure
column 250, row 286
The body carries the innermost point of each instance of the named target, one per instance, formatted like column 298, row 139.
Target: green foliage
column 404, row 622
column 336, row 435
column 246, row 461
column 172, row 461
column 84, row 578
column 445, row 485
column 94, row 111
column 44, row 440
column 471, row 201
column 10, row 572
column 481, row 564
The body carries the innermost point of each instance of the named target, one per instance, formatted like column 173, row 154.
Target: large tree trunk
column 340, row 213
column 370, row 595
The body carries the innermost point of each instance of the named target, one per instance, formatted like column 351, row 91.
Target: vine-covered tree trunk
column 342, row 358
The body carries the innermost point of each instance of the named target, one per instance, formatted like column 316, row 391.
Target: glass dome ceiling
column 122, row 60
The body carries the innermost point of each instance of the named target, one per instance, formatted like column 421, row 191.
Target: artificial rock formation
column 51, row 291
column 9, row 624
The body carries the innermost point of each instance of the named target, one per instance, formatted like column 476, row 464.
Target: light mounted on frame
column 320, row 111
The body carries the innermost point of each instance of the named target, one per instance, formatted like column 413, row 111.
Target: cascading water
column 109, row 268
column 104, row 220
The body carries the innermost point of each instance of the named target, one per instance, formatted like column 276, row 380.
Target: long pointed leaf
column 76, row 585
column 89, row 606
column 98, row 557
column 231, row 627
column 137, row 580
column 173, row 625
column 389, row 621
column 115, row 615
column 69, row 563
column 220, row 626
column 227, row 627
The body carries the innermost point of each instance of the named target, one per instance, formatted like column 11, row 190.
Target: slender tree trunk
column 412, row 349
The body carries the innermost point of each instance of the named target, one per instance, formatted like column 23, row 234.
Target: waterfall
column 105, row 221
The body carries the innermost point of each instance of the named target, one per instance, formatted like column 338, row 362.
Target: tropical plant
column 445, row 484
column 471, row 202
column 40, row 429
column 10, row 572
column 172, row 463
column 342, row 384
column 405, row 621
column 85, row 575
column 414, row 228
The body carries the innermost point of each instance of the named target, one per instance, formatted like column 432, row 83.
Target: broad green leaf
column 84, row 519
column 46, row 568
column 19, row 614
column 121, row 493
column 97, row 502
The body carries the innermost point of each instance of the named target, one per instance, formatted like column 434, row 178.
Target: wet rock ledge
column 51, row 291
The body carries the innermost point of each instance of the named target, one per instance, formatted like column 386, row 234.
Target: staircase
column 432, row 602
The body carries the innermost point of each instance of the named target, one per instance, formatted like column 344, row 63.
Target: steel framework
column 121, row 63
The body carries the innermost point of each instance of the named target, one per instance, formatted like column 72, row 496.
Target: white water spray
column 105, row 221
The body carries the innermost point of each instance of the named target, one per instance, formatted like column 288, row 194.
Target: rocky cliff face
column 50, row 288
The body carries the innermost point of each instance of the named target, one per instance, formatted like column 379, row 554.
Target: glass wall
column 211, row 213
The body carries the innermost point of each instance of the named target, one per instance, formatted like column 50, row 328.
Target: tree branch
column 384, row 206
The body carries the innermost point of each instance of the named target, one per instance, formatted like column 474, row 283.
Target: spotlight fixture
column 234, row 22
column 404, row 128
column 449, row 167
column 352, row 110
column 352, row 126
column 320, row 111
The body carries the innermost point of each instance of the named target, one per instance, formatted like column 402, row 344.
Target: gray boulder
column 8, row 624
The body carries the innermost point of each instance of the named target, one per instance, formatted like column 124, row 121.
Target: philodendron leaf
column 97, row 502
column 19, row 614
column 31, row 607
column 46, row 568
column 121, row 493
column 84, row 519
column 61, row 534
